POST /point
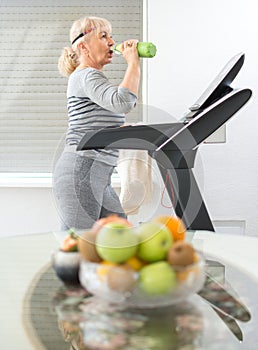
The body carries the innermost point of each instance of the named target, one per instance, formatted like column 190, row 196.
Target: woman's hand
column 130, row 52
column 131, row 79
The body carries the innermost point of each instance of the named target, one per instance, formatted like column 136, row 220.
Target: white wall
column 195, row 39
column 26, row 210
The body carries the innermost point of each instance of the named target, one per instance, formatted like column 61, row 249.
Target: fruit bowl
column 187, row 281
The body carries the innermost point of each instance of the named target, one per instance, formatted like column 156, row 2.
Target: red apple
column 108, row 219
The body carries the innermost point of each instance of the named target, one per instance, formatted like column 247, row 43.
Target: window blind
column 33, row 115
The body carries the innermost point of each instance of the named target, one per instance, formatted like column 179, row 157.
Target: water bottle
column 145, row 49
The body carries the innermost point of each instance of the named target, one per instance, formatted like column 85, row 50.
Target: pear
column 87, row 246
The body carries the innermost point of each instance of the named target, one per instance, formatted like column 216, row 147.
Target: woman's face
column 99, row 49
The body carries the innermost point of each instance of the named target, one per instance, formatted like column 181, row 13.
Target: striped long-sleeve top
column 93, row 102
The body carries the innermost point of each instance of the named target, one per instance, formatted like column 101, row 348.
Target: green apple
column 157, row 278
column 116, row 242
column 155, row 241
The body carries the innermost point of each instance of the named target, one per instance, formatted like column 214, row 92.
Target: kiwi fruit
column 181, row 254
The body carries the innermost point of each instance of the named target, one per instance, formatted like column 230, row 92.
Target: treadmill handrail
column 239, row 96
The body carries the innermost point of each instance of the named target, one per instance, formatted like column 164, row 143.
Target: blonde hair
column 69, row 58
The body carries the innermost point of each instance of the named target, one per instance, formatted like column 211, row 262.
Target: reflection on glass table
column 37, row 306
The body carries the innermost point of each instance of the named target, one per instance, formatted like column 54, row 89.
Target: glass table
column 39, row 312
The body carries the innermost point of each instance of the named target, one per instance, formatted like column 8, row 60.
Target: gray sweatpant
column 83, row 191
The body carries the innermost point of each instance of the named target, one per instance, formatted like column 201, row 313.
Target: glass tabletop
column 39, row 312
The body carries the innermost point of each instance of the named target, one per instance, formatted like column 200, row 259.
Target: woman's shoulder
column 88, row 74
column 88, row 71
column 86, row 78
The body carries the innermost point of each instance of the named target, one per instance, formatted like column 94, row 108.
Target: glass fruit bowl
column 154, row 285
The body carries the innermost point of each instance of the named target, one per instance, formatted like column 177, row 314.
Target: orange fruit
column 183, row 273
column 103, row 268
column 196, row 258
column 135, row 263
column 175, row 226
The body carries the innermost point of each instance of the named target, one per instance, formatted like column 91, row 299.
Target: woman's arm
column 132, row 75
column 117, row 99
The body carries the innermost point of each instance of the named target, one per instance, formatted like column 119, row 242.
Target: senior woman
column 82, row 179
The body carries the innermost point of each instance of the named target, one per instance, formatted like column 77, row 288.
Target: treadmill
column 174, row 145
